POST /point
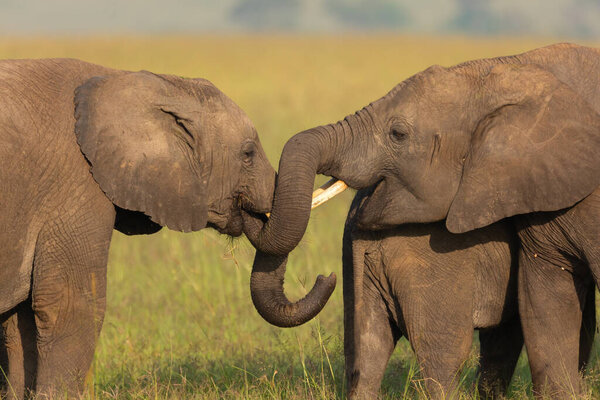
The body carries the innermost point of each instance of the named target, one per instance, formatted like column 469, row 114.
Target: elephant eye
column 248, row 152
column 398, row 135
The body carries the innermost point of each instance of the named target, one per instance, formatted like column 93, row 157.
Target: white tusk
column 326, row 192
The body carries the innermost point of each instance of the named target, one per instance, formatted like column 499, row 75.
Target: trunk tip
column 325, row 285
column 327, row 281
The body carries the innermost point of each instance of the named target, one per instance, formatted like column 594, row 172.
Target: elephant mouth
column 227, row 223
column 235, row 224
column 372, row 206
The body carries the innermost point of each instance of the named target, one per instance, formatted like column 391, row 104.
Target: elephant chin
column 235, row 225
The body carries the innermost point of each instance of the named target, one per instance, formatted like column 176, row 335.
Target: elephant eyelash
column 399, row 130
column 398, row 135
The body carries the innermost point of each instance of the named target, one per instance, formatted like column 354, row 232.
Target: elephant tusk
column 326, row 192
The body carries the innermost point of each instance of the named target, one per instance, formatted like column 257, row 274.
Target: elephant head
column 171, row 152
column 470, row 144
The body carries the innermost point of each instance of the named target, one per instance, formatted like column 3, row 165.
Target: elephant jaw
column 326, row 192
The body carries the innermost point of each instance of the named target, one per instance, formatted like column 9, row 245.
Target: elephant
column 435, row 287
column 85, row 149
column 513, row 136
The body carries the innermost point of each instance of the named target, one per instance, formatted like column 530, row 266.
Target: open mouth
column 371, row 207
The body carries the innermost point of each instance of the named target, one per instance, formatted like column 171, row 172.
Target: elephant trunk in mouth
column 306, row 154
column 300, row 160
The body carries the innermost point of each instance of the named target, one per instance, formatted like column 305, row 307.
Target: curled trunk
column 266, row 285
column 319, row 150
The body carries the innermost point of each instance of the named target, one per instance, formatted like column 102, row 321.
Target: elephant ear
column 537, row 149
column 130, row 129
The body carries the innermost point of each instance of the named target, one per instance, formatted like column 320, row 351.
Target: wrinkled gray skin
column 470, row 145
column 84, row 149
column 434, row 287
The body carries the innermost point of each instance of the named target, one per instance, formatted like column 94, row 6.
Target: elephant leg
column 68, row 299
column 440, row 349
column 369, row 336
column 438, row 314
column 372, row 344
column 550, row 306
column 588, row 327
column 500, row 350
column 20, row 359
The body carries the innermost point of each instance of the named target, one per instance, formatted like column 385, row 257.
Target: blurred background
column 568, row 18
column 180, row 322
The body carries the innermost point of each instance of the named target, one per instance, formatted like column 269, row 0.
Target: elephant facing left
column 85, row 149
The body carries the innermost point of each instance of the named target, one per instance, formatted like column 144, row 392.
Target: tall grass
column 180, row 322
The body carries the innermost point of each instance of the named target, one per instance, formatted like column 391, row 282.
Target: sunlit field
column 180, row 322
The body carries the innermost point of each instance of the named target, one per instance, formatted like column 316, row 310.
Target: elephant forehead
column 426, row 102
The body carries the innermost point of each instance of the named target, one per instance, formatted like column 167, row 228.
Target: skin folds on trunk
column 289, row 217
column 266, row 286
column 327, row 150
column 303, row 156
column 322, row 150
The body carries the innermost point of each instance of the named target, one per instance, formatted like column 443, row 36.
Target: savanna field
column 180, row 322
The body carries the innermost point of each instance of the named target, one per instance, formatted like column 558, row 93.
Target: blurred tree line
column 577, row 18
column 566, row 18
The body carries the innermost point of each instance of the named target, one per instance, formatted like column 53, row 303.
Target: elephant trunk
column 326, row 150
column 266, row 286
column 303, row 156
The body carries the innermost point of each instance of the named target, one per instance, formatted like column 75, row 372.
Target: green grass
column 180, row 322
